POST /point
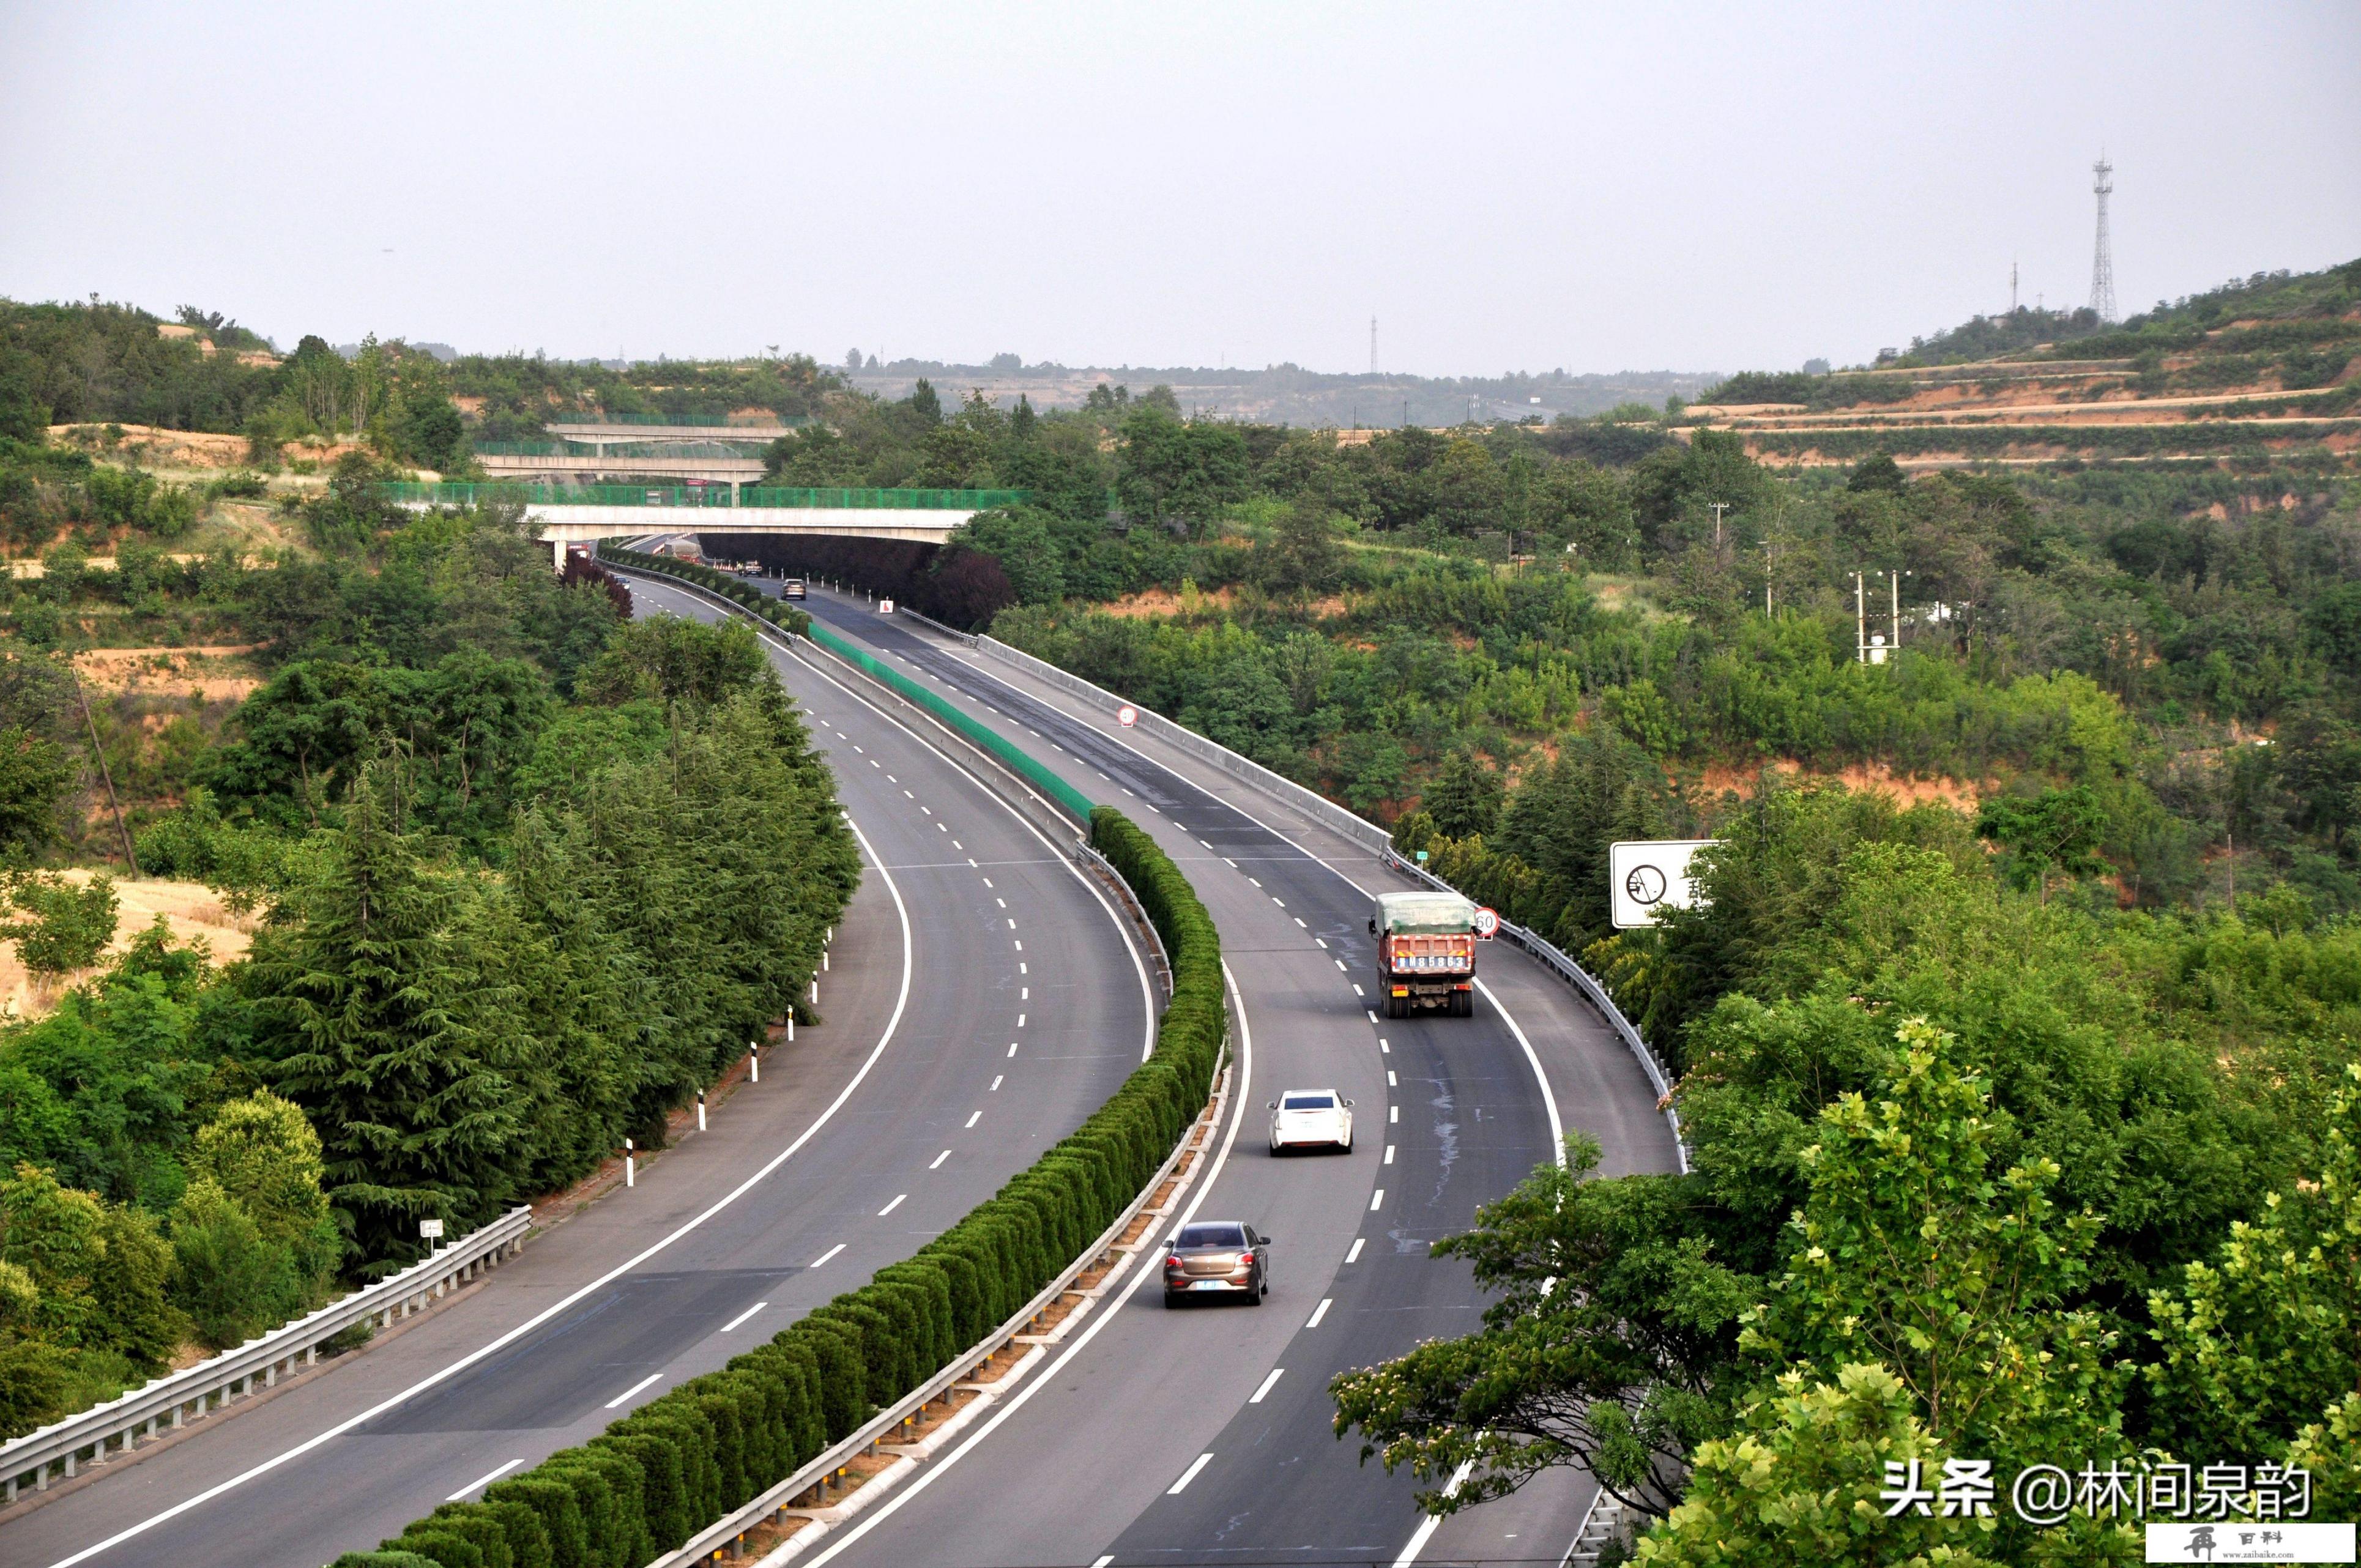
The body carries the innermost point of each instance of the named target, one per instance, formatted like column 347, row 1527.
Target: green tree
column 262, row 1153
column 33, row 1372
column 1019, row 539
column 2058, row 831
column 232, row 1280
column 1801, row 1485
column 416, row 1119
column 1612, row 1346
column 1906, row 1253
column 1301, row 556
column 34, row 779
column 2267, row 1337
column 1464, row 798
column 675, row 660
column 59, row 927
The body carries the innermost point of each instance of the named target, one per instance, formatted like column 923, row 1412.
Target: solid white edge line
column 743, row 1316
column 901, row 1002
column 1549, row 1100
column 481, row 1482
column 1429, row 1525
column 1189, row 1475
column 928, row 1474
column 634, row 1389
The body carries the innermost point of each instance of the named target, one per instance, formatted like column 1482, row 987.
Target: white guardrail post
column 1372, row 837
column 58, row 1451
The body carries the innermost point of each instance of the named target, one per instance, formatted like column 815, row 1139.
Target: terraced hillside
column 2267, row 369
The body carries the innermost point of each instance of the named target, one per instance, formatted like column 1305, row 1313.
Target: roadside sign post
column 429, row 1232
column 1646, row 877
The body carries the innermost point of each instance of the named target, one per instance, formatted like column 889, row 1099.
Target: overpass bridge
column 614, row 430
column 580, row 461
column 586, row 513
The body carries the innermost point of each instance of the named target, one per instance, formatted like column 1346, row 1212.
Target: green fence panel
column 1024, row 765
column 459, row 493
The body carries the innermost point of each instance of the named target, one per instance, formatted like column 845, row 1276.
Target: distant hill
column 2264, row 367
column 1290, row 394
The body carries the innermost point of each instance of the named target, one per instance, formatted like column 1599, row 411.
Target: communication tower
column 2102, row 262
column 1373, row 345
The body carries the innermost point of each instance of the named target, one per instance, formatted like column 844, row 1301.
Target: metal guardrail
column 1325, row 811
column 1369, row 835
column 168, row 1403
column 928, row 620
column 728, row 1534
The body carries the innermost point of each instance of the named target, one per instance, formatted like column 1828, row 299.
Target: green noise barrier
column 693, row 1455
column 1072, row 800
column 1022, row 763
column 461, row 492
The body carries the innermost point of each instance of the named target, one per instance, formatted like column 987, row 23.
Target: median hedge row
column 693, row 1454
column 761, row 605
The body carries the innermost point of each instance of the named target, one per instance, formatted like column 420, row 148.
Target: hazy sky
column 1689, row 187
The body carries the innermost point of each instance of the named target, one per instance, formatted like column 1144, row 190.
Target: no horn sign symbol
column 1644, row 878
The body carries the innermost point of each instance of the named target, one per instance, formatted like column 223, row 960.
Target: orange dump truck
column 1426, row 953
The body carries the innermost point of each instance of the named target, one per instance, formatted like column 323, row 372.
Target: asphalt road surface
column 1202, row 1435
column 982, row 999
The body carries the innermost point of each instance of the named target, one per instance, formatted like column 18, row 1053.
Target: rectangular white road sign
column 1646, row 877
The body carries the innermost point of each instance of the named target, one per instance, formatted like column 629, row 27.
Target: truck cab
column 1426, row 953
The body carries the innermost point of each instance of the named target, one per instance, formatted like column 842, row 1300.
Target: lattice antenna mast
column 2103, row 260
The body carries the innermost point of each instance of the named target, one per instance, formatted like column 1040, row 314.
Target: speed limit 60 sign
column 1646, row 877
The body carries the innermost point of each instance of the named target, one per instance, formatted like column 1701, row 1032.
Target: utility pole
column 1894, row 579
column 1860, row 622
column 1373, row 345
column 2012, row 285
column 1766, row 576
column 1719, row 507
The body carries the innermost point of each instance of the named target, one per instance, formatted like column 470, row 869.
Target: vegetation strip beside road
column 689, row 1457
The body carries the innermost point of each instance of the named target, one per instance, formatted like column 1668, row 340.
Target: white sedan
column 1310, row 1118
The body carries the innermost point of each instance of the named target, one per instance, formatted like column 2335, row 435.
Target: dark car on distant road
column 1217, row 1257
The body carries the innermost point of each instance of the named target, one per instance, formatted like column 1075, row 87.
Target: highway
column 981, row 999
column 1202, row 1435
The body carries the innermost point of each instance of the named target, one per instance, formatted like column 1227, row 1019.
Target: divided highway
column 1202, row 1435
column 983, row 999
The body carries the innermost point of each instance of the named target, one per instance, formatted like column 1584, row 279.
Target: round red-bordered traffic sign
column 1487, row 923
column 1126, row 716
